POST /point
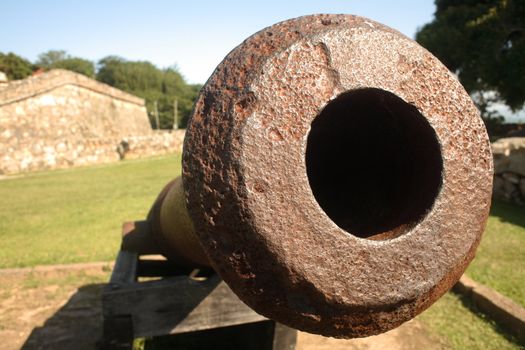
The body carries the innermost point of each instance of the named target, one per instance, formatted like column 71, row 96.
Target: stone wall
column 159, row 142
column 61, row 119
column 509, row 169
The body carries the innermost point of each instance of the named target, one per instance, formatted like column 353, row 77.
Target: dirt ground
column 410, row 336
column 60, row 309
column 51, row 308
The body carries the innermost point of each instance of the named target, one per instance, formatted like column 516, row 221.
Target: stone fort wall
column 61, row 119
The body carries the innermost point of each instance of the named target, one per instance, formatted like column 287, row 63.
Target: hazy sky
column 195, row 35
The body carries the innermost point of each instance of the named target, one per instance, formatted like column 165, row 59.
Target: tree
column 51, row 57
column 483, row 42
column 15, row 67
column 145, row 80
column 175, row 87
column 60, row 59
column 78, row 65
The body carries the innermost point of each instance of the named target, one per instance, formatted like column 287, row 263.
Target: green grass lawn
column 461, row 327
column 500, row 259
column 75, row 215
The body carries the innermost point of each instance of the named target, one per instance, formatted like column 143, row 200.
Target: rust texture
column 283, row 246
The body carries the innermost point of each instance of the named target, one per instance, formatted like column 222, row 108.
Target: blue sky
column 195, row 35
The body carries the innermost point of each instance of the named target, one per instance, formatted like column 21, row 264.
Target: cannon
column 335, row 174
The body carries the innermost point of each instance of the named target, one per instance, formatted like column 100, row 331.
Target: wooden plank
column 178, row 305
column 251, row 336
column 221, row 308
column 138, row 297
column 118, row 333
column 125, row 270
column 137, row 237
column 175, row 305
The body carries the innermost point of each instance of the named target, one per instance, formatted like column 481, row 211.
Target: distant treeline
column 140, row 78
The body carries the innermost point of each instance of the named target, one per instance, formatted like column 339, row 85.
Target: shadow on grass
column 507, row 212
column 467, row 302
column 76, row 325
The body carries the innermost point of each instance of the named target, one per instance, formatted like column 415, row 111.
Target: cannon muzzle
column 335, row 174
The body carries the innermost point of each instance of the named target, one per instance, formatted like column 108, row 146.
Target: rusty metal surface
column 249, row 197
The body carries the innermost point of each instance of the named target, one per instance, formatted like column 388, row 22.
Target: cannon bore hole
column 374, row 163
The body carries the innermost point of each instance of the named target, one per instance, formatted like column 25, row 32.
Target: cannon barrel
column 335, row 174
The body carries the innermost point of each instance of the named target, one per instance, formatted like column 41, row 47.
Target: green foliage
column 145, row 80
column 60, row 59
column 49, row 58
column 483, row 42
column 15, row 67
column 78, row 65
